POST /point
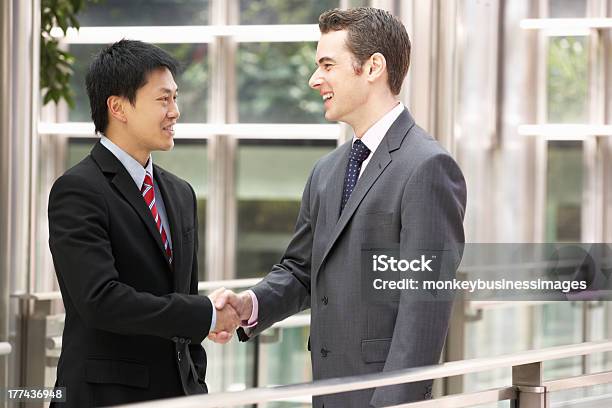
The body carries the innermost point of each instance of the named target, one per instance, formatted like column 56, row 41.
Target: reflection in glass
column 187, row 160
column 283, row 11
column 286, row 361
column 270, row 180
column 564, row 188
column 598, row 396
column 192, row 80
column 567, row 8
column 498, row 331
column 559, row 323
column 144, row 13
column 83, row 54
column 273, row 83
column 77, row 150
column 567, row 87
column 229, row 366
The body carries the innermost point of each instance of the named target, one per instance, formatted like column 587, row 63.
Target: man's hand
column 241, row 303
column 227, row 319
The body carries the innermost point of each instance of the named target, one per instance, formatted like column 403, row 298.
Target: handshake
column 232, row 309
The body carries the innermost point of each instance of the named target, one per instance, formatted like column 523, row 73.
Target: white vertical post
column 6, row 111
column 222, row 108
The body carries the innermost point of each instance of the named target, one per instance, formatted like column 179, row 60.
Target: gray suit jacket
column 412, row 193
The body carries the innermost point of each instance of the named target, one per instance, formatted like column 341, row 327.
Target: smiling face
column 149, row 121
column 344, row 91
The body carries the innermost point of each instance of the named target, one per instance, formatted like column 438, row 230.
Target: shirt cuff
column 252, row 322
column 213, row 320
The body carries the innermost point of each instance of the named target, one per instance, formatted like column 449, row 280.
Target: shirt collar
column 133, row 167
column 375, row 134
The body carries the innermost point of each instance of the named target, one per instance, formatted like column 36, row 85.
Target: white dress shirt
column 375, row 134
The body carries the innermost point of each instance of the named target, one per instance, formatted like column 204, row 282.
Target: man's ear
column 116, row 105
column 376, row 66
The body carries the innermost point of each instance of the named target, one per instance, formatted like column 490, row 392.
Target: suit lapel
column 125, row 185
column 377, row 165
column 172, row 212
column 333, row 190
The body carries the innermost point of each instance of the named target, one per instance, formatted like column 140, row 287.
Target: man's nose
column 315, row 80
column 174, row 111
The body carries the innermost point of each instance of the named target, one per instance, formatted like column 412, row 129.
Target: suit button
column 325, row 300
column 324, row 352
column 179, row 356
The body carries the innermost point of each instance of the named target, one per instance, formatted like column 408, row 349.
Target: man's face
column 151, row 120
column 344, row 92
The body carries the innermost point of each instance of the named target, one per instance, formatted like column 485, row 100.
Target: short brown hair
column 372, row 30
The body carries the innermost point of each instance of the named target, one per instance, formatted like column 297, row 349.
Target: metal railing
column 5, row 349
column 527, row 388
column 45, row 341
column 203, row 286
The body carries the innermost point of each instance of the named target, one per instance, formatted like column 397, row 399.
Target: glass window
column 488, row 336
column 145, row 13
column 286, row 361
column 273, row 83
column 283, row 11
column 83, row 54
column 559, row 323
column 564, row 181
column 270, row 181
column 192, row 80
column 568, row 85
column 230, row 367
column 567, row 8
column 598, row 396
column 189, row 161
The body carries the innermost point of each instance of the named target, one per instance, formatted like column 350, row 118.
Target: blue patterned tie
column 359, row 152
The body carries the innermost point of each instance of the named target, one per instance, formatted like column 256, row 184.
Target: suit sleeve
column 82, row 253
column 285, row 291
column 432, row 210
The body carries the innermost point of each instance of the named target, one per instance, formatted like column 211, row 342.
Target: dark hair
column 372, row 30
column 121, row 69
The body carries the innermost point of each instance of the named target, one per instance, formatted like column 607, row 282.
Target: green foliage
column 55, row 63
column 193, row 79
column 564, row 185
column 283, row 11
column 273, row 77
column 273, row 83
column 567, row 80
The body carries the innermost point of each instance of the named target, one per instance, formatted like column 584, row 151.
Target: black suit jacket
column 134, row 323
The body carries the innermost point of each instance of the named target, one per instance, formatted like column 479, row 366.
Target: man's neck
column 374, row 113
column 140, row 155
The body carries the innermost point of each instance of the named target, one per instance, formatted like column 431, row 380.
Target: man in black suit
column 123, row 235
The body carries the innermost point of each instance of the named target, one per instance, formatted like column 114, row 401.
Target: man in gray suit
column 391, row 184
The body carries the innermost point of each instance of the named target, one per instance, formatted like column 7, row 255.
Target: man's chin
column 330, row 117
column 168, row 146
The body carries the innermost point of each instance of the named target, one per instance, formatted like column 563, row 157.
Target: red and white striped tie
column 148, row 192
